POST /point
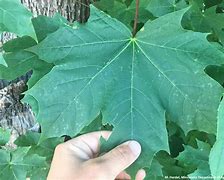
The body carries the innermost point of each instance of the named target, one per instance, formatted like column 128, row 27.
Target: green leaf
column 124, row 13
column 194, row 136
column 19, row 43
column 161, row 7
column 216, row 72
column 39, row 174
column 197, row 158
column 171, row 166
column 14, row 17
column 44, row 148
column 155, row 171
column 38, row 167
column 96, row 125
column 2, row 60
column 4, row 136
column 29, row 139
column 202, row 171
column 99, row 67
column 216, row 156
column 104, row 5
column 20, row 61
column 44, row 25
column 176, row 139
column 15, row 165
column 209, row 3
column 205, row 21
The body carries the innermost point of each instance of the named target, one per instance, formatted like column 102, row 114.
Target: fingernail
column 142, row 173
column 135, row 147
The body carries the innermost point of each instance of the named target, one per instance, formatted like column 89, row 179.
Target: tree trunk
column 71, row 9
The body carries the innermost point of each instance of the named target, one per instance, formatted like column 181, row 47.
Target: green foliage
column 44, row 25
column 2, row 60
column 20, row 61
column 125, row 11
column 122, row 101
column 15, row 18
column 154, row 87
column 162, row 7
column 16, row 165
column 96, row 125
column 207, row 20
column 155, row 171
column 44, row 148
column 216, row 155
column 196, row 158
column 216, row 72
column 4, row 136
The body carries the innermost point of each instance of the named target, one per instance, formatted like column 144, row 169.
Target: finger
column 140, row 174
column 118, row 159
column 123, row 175
column 86, row 146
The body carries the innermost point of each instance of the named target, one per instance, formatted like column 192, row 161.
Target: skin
column 79, row 158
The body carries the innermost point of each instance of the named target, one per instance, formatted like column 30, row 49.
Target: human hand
column 77, row 159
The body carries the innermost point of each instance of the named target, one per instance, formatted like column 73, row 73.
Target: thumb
column 119, row 158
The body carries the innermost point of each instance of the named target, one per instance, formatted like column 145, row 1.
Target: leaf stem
column 136, row 19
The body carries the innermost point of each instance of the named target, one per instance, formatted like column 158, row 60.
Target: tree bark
column 71, row 9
